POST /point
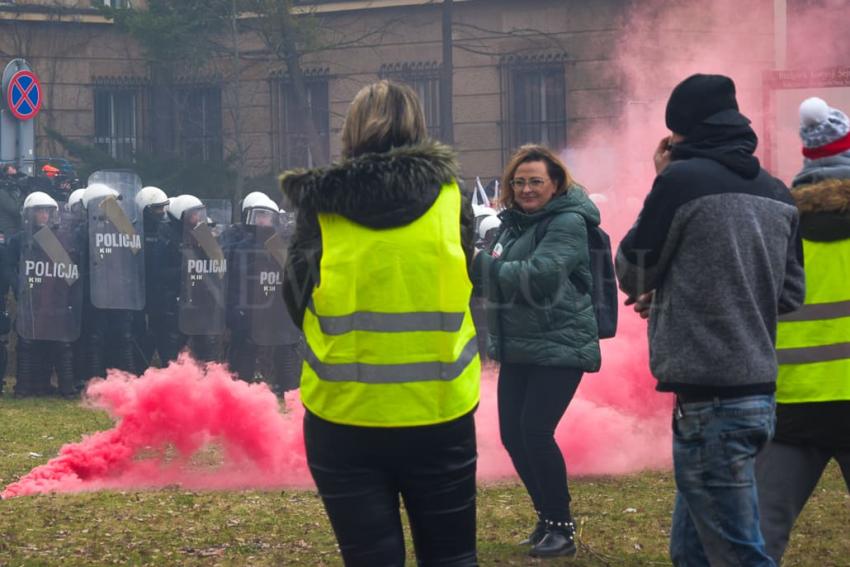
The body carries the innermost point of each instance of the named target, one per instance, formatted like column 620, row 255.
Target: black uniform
column 164, row 279
column 188, row 303
column 143, row 326
column 263, row 339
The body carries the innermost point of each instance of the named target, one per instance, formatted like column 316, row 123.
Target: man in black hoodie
column 712, row 260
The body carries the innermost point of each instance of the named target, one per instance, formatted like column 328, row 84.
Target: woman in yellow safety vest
column 813, row 343
column 377, row 278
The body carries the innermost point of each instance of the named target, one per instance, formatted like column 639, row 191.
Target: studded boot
column 558, row 541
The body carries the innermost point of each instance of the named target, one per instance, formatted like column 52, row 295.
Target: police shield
column 269, row 323
column 50, row 292
column 116, row 257
column 203, row 278
column 116, row 233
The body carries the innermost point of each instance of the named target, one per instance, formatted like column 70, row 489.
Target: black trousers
column 532, row 400
column 36, row 361
column 361, row 472
column 280, row 365
column 168, row 341
column 786, row 476
column 110, row 341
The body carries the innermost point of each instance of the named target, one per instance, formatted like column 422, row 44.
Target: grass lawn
column 623, row 521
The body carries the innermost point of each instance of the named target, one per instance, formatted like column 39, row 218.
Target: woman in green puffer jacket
column 542, row 329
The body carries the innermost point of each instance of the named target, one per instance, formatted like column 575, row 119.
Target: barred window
column 537, row 106
column 115, row 130
column 199, row 124
column 424, row 79
column 293, row 147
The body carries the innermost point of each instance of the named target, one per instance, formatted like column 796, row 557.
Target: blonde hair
column 555, row 168
column 382, row 116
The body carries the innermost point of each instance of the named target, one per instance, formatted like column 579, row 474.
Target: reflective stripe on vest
column 390, row 338
column 813, row 343
column 393, row 373
column 388, row 322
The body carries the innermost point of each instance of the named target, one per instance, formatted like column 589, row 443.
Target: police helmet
column 488, row 223
column 257, row 199
column 96, row 191
column 182, row 203
column 151, row 196
column 482, row 210
column 76, row 198
column 39, row 199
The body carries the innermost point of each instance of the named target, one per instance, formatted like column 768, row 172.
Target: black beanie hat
column 697, row 98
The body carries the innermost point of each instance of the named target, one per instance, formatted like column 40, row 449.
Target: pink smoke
column 200, row 428
column 616, row 424
column 168, row 417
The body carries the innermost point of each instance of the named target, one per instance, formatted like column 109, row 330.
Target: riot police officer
column 74, row 206
column 152, row 201
column 49, row 296
column 74, row 216
column 263, row 338
column 115, row 271
column 190, row 274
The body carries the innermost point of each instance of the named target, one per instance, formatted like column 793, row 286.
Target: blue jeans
column 716, row 516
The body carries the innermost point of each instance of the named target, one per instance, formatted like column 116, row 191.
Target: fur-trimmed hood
column 824, row 209
column 377, row 190
column 829, row 196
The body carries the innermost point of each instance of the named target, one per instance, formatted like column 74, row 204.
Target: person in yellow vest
column 377, row 276
column 813, row 344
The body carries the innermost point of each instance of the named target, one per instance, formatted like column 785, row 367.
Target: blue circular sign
column 24, row 95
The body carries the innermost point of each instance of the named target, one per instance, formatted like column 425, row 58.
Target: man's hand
column 642, row 303
column 662, row 154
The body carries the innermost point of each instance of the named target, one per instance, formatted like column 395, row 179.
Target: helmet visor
column 37, row 217
column 262, row 217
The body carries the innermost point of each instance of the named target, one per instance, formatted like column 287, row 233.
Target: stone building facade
column 551, row 71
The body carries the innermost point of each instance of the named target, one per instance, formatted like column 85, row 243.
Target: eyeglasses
column 534, row 182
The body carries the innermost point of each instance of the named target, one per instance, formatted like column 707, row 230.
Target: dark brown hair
column 558, row 172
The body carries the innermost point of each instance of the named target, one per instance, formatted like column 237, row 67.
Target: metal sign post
column 22, row 97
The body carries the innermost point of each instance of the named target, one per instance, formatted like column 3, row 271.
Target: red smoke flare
column 164, row 420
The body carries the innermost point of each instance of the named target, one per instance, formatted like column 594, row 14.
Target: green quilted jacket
column 539, row 309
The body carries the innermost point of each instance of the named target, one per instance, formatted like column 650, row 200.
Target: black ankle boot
column 558, row 541
column 539, row 531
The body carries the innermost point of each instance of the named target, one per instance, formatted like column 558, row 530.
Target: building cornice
column 52, row 14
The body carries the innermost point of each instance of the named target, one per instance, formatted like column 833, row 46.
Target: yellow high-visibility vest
column 390, row 338
column 813, row 343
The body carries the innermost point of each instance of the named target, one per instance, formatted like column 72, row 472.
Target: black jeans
column 361, row 471
column 532, row 400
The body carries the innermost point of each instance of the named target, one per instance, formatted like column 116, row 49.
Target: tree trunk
column 296, row 75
